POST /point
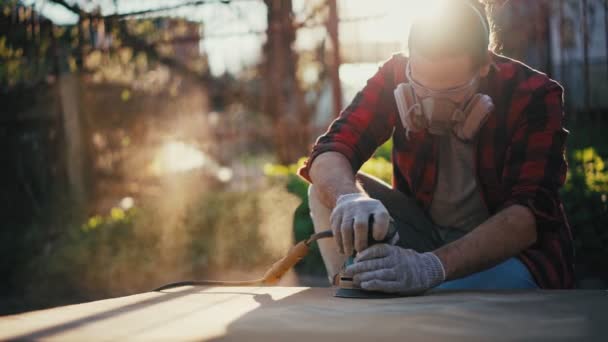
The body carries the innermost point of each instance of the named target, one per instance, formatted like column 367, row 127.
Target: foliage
column 584, row 196
column 159, row 241
column 588, row 167
column 302, row 223
column 385, row 150
column 380, row 168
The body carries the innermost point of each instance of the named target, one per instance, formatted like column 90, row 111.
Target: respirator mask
column 438, row 111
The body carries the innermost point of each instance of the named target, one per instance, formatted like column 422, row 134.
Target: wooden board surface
column 313, row 314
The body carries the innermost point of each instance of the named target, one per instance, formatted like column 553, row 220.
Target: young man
column 478, row 160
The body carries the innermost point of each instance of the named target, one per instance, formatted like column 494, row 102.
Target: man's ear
column 485, row 68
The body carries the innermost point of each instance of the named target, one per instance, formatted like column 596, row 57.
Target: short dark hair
column 459, row 27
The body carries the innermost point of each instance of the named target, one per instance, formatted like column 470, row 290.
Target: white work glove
column 393, row 269
column 349, row 222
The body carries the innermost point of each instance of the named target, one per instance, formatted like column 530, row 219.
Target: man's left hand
column 392, row 269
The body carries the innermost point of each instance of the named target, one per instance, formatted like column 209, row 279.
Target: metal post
column 606, row 34
column 586, row 56
column 562, row 50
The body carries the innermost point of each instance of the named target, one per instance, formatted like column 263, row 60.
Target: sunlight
column 176, row 156
column 224, row 174
column 393, row 29
column 127, row 203
column 430, row 8
column 417, row 8
column 393, row 24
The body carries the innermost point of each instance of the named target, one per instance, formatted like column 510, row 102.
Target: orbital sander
column 343, row 282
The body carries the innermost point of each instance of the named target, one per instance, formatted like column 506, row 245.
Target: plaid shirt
column 519, row 153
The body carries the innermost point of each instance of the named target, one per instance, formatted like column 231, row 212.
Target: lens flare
column 177, row 156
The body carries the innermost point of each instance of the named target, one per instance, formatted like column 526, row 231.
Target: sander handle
column 390, row 234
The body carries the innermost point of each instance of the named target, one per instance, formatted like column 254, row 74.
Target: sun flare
column 177, row 156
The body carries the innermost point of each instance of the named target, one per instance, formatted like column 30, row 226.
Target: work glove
column 393, row 269
column 350, row 222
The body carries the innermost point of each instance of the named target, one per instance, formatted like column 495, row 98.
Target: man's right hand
column 350, row 219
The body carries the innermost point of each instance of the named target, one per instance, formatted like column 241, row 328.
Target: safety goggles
column 456, row 94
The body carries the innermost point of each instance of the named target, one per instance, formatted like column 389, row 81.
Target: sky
column 365, row 22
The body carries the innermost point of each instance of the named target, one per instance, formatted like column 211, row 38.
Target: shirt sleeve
column 536, row 167
column 365, row 124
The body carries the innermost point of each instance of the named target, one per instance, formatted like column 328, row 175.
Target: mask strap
column 407, row 102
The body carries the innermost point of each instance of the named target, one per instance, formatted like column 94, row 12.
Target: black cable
column 311, row 239
column 208, row 283
column 314, row 237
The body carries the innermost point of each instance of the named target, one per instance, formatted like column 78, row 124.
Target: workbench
column 312, row 314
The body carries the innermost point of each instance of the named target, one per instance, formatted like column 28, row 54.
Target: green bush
column 312, row 264
column 86, row 261
column 202, row 234
column 584, row 196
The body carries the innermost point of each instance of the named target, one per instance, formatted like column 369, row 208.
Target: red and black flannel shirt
column 519, row 153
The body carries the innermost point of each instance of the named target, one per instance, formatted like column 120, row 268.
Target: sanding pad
column 346, row 289
column 363, row 294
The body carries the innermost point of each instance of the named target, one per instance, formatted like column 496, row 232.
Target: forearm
column 502, row 236
column 333, row 176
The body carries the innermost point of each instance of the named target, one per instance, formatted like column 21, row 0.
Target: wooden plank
column 313, row 314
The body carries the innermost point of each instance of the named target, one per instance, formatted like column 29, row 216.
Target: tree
column 283, row 98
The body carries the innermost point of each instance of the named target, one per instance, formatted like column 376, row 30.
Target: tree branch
column 162, row 9
column 77, row 10
column 138, row 44
column 72, row 8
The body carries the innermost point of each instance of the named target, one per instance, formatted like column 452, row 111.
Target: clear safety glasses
column 456, row 93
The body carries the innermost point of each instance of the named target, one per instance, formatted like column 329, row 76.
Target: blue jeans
column 510, row 275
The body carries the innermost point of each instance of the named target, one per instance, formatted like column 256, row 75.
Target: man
column 478, row 160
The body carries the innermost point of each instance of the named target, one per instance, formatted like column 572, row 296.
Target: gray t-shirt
column 457, row 201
